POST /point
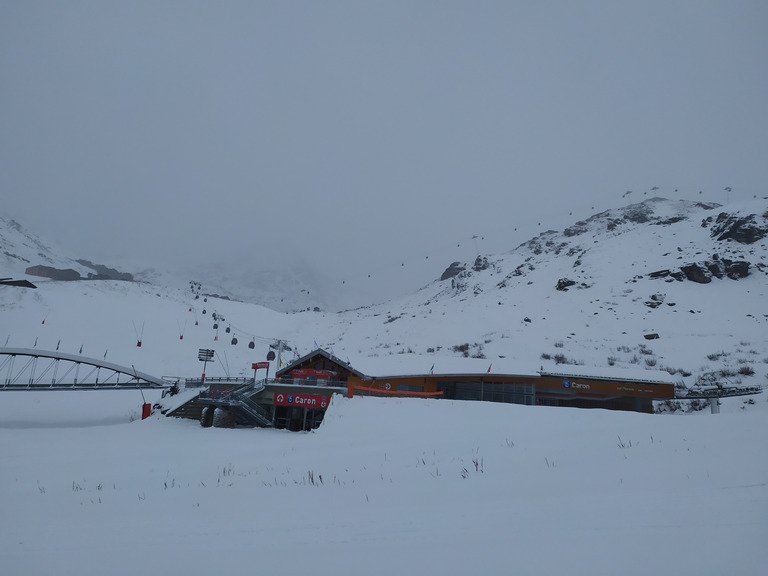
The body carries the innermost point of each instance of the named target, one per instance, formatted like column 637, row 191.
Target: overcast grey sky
column 373, row 134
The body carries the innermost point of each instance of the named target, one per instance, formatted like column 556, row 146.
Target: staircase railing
column 239, row 399
column 255, row 411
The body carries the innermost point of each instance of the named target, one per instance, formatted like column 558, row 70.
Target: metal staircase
column 238, row 401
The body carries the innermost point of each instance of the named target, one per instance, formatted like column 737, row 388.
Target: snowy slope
column 504, row 310
column 19, row 249
column 508, row 307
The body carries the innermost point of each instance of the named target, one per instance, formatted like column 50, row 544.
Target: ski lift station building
column 476, row 379
column 301, row 391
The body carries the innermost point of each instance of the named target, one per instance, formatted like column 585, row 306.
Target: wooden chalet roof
column 315, row 355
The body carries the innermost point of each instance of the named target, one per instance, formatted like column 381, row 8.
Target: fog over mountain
column 341, row 140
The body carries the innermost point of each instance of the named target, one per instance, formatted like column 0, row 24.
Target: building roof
column 614, row 374
column 417, row 365
column 318, row 352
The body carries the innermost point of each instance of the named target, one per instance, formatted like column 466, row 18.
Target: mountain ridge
column 616, row 290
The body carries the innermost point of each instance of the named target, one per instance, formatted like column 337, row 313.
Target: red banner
column 257, row 365
column 305, row 400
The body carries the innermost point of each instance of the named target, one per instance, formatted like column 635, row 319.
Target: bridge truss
column 33, row 369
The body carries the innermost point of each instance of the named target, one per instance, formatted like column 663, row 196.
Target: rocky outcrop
column 655, row 301
column 481, row 263
column 579, row 228
column 736, row 270
column 703, row 272
column 454, row 269
column 744, row 230
column 564, row 283
column 697, row 273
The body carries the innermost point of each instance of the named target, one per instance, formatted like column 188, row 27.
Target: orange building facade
column 608, row 389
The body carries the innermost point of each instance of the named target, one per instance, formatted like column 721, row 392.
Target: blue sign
column 566, row 383
column 290, row 398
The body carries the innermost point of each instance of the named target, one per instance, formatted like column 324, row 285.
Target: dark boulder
column 697, row 273
column 736, row 270
column 659, row 274
column 655, row 301
column 563, row 284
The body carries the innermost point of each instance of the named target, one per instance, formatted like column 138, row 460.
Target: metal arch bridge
column 33, row 369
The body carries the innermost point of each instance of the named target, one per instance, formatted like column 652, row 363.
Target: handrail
column 699, row 392
column 219, row 379
column 239, row 398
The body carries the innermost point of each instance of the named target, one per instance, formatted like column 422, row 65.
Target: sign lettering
column 306, row 400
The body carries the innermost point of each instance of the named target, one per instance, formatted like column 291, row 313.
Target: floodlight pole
column 204, row 355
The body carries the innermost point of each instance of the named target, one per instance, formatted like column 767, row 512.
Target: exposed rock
column 613, row 223
column 704, row 271
column 563, row 284
column 579, row 228
column 453, row 270
column 717, row 268
column 15, row 256
column 638, row 213
column 481, row 263
column 668, row 221
column 659, row 274
column 655, row 301
column 219, row 296
column 743, row 230
column 736, row 270
column 697, row 273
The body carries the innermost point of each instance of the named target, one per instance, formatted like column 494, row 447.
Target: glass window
column 410, row 388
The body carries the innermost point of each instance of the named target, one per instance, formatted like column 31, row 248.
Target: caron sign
column 305, row 400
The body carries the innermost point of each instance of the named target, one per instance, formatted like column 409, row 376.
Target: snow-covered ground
column 384, row 486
